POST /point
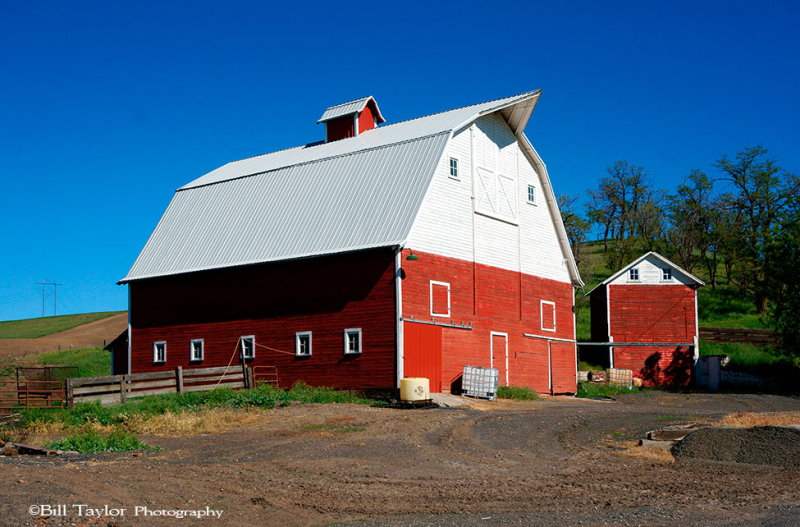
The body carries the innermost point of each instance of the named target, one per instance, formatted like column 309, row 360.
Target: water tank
column 413, row 389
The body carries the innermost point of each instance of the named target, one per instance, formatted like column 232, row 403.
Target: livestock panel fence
column 112, row 389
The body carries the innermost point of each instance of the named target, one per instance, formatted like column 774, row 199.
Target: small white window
column 249, row 347
column 454, row 168
column 531, row 194
column 302, row 344
column 160, row 351
column 196, row 350
column 440, row 299
column 666, row 274
column 633, row 274
column 352, row 341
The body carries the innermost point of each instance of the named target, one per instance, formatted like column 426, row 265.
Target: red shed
column 410, row 249
column 651, row 300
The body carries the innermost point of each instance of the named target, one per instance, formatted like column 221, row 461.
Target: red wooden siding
column 323, row 295
column 653, row 313
column 366, row 119
column 422, row 354
column 498, row 300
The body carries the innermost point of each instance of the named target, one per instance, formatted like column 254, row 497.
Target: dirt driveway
column 551, row 462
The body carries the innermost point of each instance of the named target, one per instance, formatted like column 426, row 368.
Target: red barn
column 651, row 300
column 410, row 249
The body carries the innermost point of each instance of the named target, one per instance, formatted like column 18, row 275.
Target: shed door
column 499, row 349
column 422, row 353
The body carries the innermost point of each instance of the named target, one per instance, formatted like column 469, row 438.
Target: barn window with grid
column 160, row 351
column 196, row 350
column 302, row 343
column 454, row 168
column 352, row 341
column 633, row 275
column 249, row 347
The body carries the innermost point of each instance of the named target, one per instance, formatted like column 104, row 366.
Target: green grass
column 726, row 307
column 585, row 366
column 92, row 442
column 92, row 362
column 757, row 360
column 590, row 389
column 263, row 396
column 522, row 393
column 32, row 328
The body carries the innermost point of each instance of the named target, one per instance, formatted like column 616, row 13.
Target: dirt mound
column 775, row 446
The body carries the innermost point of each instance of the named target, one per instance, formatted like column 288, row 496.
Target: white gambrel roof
column 323, row 198
column 347, row 108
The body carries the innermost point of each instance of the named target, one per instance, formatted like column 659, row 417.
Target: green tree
column 691, row 220
column 762, row 195
column 782, row 264
column 577, row 230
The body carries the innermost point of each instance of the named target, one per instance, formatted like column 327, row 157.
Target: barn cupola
column 351, row 118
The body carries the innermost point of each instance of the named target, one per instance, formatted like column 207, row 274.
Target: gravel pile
column 775, row 446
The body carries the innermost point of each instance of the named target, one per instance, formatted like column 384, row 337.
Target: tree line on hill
column 743, row 221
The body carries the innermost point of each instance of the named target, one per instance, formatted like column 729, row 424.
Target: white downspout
column 130, row 336
column 398, row 295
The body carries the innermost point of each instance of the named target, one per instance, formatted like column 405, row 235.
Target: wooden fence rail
column 112, row 389
column 758, row 337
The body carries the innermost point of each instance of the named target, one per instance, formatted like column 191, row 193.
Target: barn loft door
column 499, row 350
column 422, row 353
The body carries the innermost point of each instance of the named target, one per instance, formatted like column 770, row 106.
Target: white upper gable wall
column 651, row 271
column 508, row 232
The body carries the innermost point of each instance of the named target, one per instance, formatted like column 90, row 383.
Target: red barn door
column 500, row 357
column 422, row 353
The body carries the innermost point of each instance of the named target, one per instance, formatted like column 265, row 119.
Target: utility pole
column 44, row 284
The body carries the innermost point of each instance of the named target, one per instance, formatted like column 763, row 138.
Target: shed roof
column 347, row 108
column 321, row 198
column 668, row 263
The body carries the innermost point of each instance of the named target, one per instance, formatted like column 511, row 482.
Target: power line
column 54, row 292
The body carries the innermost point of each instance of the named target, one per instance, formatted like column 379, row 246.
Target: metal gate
column 19, row 395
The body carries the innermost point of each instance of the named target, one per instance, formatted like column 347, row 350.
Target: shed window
column 249, row 347
column 666, row 274
column 454, row 168
column 633, row 274
column 548, row 314
column 302, row 344
column 196, row 350
column 531, row 194
column 352, row 341
column 440, row 299
column 160, row 351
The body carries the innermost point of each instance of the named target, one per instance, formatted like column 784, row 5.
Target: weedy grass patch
column 590, row 389
column 173, row 414
column 91, row 442
column 522, row 393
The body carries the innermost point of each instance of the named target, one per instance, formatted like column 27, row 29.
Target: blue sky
column 108, row 107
